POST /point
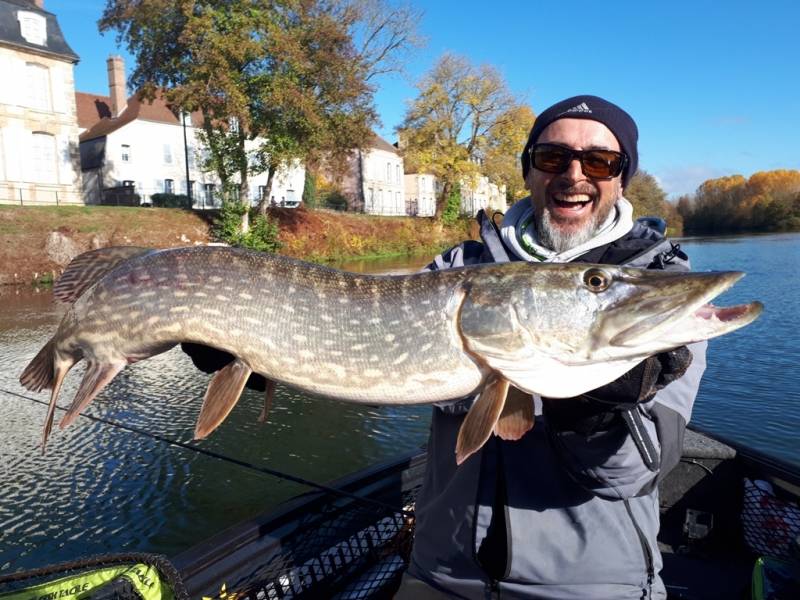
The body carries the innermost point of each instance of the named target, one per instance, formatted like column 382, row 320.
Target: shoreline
column 37, row 243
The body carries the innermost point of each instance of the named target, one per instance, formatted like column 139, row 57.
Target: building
column 39, row 156
column 374, row 182
column 132, row 149
column 479, row 193
column 421, row 193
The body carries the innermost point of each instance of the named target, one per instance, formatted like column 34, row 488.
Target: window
column 38, row 86
column 233, row 123
column 126, row 153
column 169, row 186
column 208, row 193
column 388, row 172
column 128, row 183
column 167, row 154
column 43, row 154
column 32, row 27
column 397, row 173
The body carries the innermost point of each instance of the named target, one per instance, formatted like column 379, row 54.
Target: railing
column 38, row 194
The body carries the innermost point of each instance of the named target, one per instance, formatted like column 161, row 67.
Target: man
column 570, row 511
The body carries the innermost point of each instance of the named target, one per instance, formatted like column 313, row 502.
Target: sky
column 714, row 86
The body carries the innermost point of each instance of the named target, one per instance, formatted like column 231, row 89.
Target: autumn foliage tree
column 648, row 199
column 275, row 81
column 464, row 121
column 767, row 201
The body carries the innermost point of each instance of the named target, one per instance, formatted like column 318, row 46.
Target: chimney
column 39, row 4
column 116, row 85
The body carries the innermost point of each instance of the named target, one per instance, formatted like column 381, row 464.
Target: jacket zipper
column 648, row 553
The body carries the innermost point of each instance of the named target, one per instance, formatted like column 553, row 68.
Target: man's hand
column 599, row 409
column 642, row 382
column 211, row 360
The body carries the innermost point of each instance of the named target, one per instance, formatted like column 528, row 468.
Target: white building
column 140, row 147
column 421, row 194
column 479, row 193
column 374, row 181
column 39, row 158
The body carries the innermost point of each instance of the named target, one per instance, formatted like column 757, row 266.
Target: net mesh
column 771, row 525
column 348, row 552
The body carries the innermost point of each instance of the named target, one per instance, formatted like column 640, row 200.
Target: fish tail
column 41, row 372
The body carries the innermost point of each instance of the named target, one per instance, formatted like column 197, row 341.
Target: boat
column 730, row 525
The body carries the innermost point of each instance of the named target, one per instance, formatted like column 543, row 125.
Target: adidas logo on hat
column 581, row 108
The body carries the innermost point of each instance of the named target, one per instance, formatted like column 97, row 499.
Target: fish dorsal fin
column 481, row 418
column 517, row 417
column 89, row 267
column 221, row 396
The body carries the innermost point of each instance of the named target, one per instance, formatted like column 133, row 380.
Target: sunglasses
column 598, row 164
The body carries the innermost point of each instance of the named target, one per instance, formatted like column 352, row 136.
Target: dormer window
column 32, row 27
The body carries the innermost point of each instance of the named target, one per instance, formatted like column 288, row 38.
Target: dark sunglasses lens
column 551, row 159
column 602, row 164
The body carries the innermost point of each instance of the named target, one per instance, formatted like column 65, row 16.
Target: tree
column 502, row 164
column 275, row 81
column 648, row 199
column 457, row 122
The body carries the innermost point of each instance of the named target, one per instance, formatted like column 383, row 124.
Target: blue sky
column 713, row 85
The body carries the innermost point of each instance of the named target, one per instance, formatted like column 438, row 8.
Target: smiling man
column 570, row 510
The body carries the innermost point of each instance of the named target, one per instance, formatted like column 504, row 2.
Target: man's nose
column 574, row 171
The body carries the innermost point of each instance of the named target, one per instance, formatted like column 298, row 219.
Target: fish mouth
column 680, row 312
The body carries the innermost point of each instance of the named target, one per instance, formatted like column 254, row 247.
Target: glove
column 599, row 409
column 642, row 382
column 211, row 360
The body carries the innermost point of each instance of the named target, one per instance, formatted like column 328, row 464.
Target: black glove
column 211, row 360
column 599, row 409
column 642, row 382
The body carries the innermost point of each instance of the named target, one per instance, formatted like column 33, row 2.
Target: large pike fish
column 558, row 330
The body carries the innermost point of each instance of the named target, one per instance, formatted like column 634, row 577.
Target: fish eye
column 597, row 280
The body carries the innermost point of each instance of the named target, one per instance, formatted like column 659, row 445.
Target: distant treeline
column 768, row 201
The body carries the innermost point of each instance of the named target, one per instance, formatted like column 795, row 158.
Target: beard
column 554, row 235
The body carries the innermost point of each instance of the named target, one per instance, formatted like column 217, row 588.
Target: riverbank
column 36, row 243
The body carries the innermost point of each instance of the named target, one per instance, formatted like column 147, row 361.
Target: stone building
column 39, row 154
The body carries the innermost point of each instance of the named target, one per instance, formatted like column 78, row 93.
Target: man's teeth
column 572, row 197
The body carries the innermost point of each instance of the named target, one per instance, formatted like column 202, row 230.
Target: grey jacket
column 580, row 511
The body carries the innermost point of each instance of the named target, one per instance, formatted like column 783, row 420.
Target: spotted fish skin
column 356, row 337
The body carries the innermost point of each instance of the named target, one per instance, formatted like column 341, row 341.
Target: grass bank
column 314, row 235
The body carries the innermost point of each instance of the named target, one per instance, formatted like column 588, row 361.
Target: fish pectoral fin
column 221, row 396
column 517, row 417
column 97, row 376
column 481, row 418
column 269, row 393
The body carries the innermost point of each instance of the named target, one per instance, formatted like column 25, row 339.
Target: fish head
column 560, row 330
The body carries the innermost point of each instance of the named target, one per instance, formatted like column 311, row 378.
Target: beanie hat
column 590, row 107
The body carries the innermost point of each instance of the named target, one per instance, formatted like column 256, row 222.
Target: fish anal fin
column 221, row 396
column 481, row 418
column 517, row 417
column 269, row 393
column 89, row 267
column 98, row 375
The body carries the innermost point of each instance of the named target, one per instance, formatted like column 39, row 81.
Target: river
column 101, row 488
